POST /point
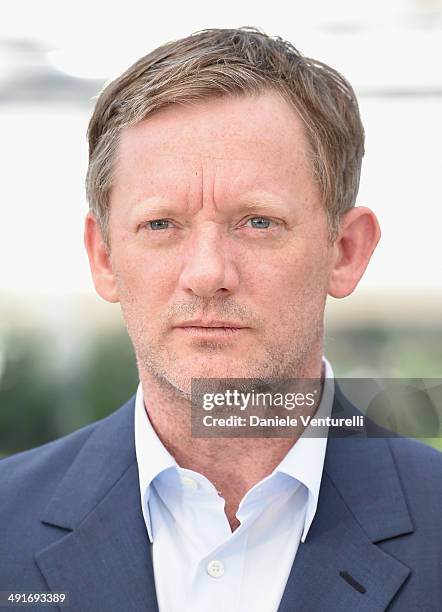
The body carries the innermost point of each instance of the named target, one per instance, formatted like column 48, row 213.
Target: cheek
column 294, row 297
column 144, row 283
column 286, row 278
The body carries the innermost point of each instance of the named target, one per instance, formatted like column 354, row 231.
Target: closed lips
column 211, row 324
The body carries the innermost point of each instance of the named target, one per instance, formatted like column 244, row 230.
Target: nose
column 209, row 267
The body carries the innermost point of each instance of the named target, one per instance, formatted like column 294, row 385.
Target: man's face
column 215, row 215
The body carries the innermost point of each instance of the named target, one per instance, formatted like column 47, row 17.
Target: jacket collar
column 104, row 559
column 361, row 503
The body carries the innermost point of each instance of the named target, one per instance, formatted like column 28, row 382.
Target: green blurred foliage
column 44, row 396
column 38, row 403
column 402, row 352
column 27, row 399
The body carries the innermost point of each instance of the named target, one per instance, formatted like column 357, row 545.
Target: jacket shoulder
column 43, row 465
column 419, row 469
column 419, row 465
column 36, row 472
column 30, row 479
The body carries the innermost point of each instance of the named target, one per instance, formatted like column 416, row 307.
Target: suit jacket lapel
column 104, row 559
column 361, row 503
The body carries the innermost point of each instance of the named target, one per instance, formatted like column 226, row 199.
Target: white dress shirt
column 199, row 564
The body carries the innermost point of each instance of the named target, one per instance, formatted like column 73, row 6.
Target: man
column 223, row 173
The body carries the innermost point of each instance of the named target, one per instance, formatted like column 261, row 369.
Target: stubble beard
column 280, row 359
column 291, row 362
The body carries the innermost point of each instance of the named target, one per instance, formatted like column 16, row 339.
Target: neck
column 233, row 465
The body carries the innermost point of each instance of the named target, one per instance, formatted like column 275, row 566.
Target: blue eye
column 260, row 222
column 159, row 224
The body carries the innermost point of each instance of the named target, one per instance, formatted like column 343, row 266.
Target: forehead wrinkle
column 199, row 185
column 211, row 188
column 201, row 188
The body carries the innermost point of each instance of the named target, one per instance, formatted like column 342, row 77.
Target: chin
column 182, row 377
column 220, row 366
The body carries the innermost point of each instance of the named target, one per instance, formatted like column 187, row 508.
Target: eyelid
column 146, row 224
column 271, row 219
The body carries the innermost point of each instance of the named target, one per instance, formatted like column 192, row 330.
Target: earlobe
column 358, row 236
column 99, row 260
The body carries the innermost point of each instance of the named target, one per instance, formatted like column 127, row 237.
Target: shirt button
column 189, row 483
column 215, row 568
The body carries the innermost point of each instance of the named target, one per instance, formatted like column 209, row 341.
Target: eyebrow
column 155, row 205
column 253, row 201
column 263, row 201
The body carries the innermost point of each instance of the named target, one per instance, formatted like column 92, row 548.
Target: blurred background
column 65, row 359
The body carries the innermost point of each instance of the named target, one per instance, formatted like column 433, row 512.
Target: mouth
column 211, row 329
column 211, row 324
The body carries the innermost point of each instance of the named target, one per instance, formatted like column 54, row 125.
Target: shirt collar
column 152, row 456
column 304, row 461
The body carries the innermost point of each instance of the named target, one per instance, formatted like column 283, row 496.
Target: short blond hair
column 223, row 62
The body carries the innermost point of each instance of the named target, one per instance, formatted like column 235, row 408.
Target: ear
column 358, row 236
column 99, row 260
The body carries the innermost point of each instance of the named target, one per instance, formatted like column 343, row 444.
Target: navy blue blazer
column 71, row 520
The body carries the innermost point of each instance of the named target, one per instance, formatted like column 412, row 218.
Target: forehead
column 244, row 139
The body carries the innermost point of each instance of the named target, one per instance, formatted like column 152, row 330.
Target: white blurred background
column 55, row 57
